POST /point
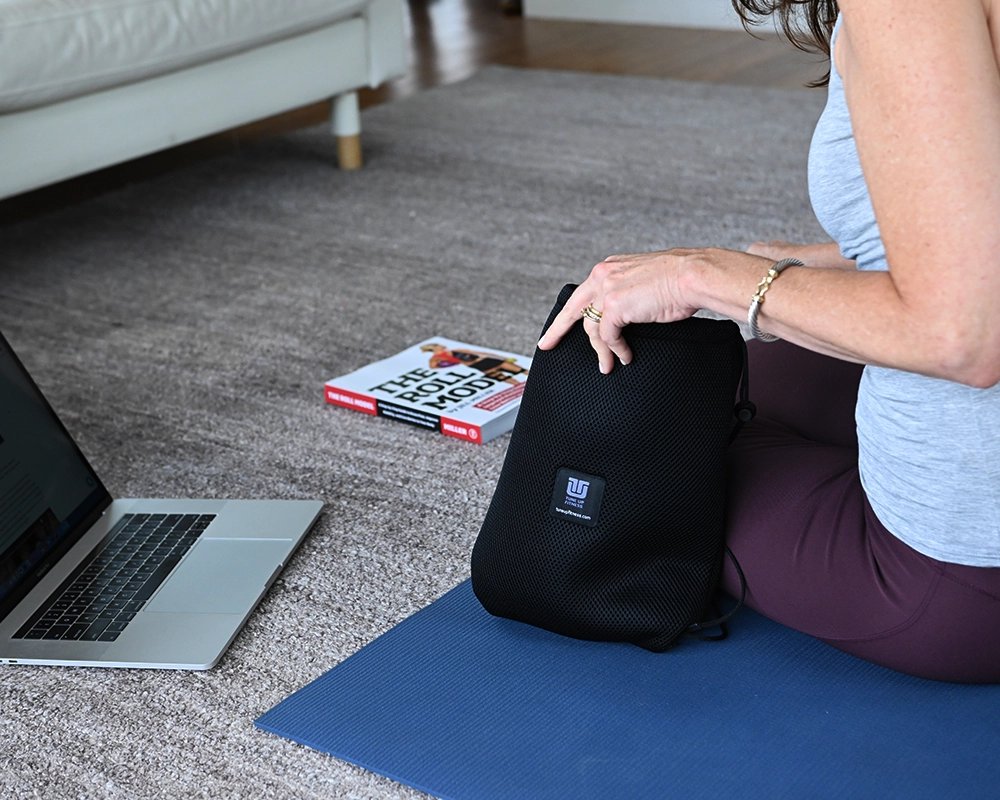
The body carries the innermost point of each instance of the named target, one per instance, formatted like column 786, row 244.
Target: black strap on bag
column 744, row 411
column 607, row 519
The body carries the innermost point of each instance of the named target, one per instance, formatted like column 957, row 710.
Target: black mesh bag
column 607, row 519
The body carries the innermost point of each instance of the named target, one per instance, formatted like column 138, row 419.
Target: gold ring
column 592, row 313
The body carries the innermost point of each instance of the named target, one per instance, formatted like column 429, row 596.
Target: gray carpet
column 183, row 329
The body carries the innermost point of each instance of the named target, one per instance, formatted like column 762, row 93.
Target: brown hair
column 807, row 24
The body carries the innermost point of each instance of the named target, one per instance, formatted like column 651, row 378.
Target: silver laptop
column 87, row 580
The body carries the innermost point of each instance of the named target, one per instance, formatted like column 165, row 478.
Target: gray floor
column 183, row 328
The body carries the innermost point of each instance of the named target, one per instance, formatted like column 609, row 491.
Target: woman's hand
column 662, row 287
column 624, row 289
column 645, row 287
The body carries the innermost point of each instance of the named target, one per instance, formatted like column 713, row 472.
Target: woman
column 864, row 500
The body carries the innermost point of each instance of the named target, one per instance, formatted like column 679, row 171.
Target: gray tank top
column 929, row 449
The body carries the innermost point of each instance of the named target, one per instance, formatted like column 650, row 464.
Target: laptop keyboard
column 104, row 593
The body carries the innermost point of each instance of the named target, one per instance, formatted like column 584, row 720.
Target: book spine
column 421, row 419
column 364, row 403
column 461, row 430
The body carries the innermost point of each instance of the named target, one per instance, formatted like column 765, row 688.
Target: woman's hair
column 807, row 24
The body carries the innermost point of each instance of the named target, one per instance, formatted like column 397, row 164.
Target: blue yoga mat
column 463, row 705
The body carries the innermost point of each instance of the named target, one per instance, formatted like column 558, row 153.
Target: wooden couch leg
column 346, row 123
column 349, row 151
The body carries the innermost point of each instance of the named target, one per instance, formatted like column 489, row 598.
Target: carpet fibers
column 183, row 328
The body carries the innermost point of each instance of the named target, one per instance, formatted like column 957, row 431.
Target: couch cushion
column 55, row 49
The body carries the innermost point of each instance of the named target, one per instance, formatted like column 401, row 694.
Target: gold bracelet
column 758, row 298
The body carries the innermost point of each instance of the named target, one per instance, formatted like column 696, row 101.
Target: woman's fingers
column 586, row 294
column 605, row 336
column 560, row 326
column 621, row 289
column 568, row 317
column 605, row 358
column 612, row 337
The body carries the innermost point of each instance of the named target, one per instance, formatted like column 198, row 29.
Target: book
column 458, row 389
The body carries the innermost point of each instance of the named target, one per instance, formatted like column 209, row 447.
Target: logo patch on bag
column 577, row 497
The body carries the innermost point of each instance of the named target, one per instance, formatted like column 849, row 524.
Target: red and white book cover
column 462, row 390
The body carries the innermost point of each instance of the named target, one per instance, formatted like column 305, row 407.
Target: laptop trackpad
column 221, row 576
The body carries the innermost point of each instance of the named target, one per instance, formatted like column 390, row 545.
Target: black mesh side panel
column 656, row 431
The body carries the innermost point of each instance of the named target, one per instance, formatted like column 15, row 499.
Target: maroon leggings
column 815, row 556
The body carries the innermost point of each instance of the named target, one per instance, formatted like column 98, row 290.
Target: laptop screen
column 49, row 495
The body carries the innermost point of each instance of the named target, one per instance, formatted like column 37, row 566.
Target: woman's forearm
column 918, row 323
column 826, row 254
column 856, row 316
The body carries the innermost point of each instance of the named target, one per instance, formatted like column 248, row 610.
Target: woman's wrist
column 722, row 281
column 695, row 279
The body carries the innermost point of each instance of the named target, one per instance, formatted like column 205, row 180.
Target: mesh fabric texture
column 656, row 432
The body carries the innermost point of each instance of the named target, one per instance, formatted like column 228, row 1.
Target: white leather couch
column 89, row 83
